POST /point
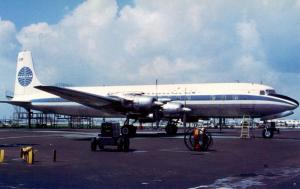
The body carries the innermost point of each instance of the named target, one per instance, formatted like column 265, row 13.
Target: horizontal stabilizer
column 87, row 99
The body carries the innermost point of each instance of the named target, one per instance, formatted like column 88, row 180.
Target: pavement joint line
column 169, row 150
column 140, row 151
column 29, row 136
column 66, row 132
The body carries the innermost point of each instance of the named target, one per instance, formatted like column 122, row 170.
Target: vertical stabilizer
column 25, row 76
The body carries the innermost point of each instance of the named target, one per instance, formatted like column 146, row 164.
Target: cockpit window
column 262, row 92
column 270, row 91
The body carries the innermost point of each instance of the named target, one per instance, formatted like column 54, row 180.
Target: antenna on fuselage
column 156, row 92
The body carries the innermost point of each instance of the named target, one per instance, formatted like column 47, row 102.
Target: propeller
column 185, row 110
column 156, row 111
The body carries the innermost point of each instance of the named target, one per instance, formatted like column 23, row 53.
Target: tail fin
column 25, row 77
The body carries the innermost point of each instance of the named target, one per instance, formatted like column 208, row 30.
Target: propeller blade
column 185, row 109
column 158, row 103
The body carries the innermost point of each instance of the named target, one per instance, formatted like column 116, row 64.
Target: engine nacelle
column 143, row 103
column 172, row 109
column 139, row 103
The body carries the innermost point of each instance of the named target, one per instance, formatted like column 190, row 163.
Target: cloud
column 249, row 36
column 8, row 47
column 165, row 69
column 171, row 40
column 7, row 37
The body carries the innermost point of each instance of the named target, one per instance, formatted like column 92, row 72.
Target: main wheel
column 267, row 133
column 94, row 144
column 171, row 129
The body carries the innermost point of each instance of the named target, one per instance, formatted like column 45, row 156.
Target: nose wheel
column 267, row 133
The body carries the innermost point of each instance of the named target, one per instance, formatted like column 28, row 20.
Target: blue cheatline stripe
column 191, row 98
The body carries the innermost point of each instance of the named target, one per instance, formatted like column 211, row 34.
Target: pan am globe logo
column 25, row 76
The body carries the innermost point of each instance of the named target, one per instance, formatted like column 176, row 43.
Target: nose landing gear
column 268, row 131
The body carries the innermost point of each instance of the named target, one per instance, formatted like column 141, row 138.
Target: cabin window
column 262, row 92
column 270, row 91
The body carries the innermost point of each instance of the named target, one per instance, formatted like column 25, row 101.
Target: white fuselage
column 204, row 100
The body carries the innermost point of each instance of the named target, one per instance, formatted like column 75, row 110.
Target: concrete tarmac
column 153, row 161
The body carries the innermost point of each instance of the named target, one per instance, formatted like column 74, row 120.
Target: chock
column 27, row 154
column 1, row 156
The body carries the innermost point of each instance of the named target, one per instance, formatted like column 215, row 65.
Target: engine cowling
column 140, row 103
column 143, row 103
column 173, row 109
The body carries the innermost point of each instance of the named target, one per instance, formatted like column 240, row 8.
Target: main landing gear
column 267, row 133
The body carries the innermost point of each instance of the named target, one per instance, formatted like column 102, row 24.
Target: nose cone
column 297, row 104
column 292, row 103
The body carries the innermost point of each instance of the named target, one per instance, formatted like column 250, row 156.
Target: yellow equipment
column 1, row 156
column 27, row 154
column 245, row 127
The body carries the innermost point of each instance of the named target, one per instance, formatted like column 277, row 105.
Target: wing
column 84, row 98
column 18, row 103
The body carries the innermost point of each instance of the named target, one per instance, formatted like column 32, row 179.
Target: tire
column 126, row 144
column 100, row 145
column 125, row 130
column 171, row 129
column 207, row 142
column 187, row 140
column 267, row 133
column 120, row 144
column 94, row 144
column 128, row 130
column 132, row 131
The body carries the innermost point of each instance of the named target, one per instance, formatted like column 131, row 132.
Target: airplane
column 153, row 103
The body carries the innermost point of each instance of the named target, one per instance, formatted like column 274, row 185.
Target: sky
column 107, row 42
